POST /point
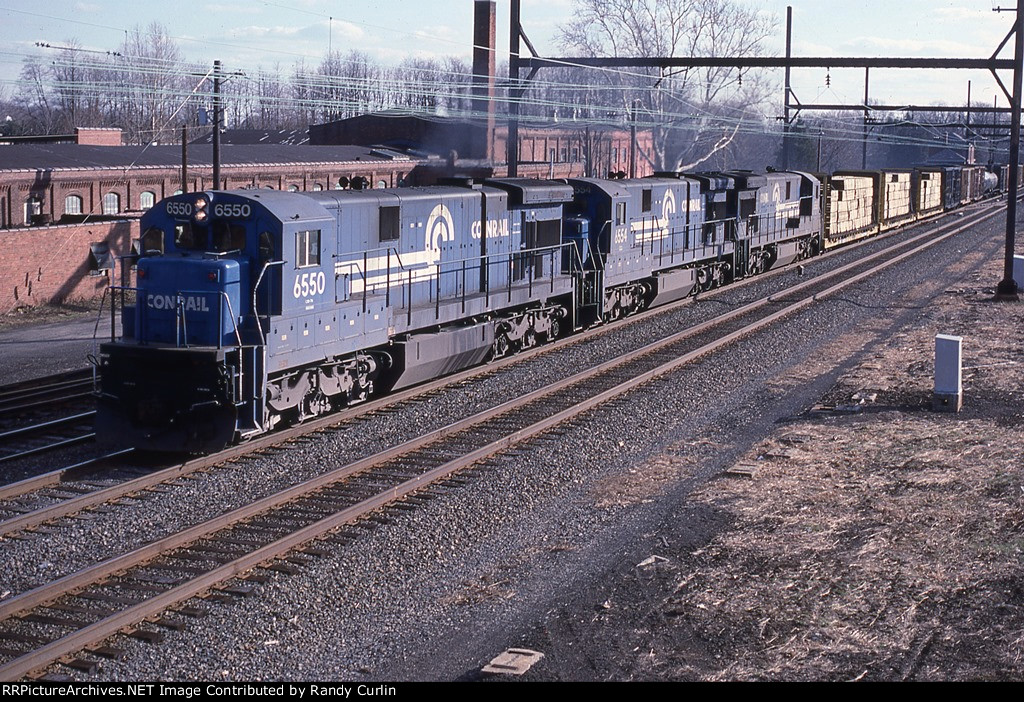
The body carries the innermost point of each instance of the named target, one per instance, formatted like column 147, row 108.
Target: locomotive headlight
column 201, row 206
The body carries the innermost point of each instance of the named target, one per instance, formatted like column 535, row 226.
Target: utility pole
column 786, row 137
column 184, row 158
column 632, row 140
column 867, row 116
column 515, row 93
column 967, row 125
column 216, row 125
column 1007, row 289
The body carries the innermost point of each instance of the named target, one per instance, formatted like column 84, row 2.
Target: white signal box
column 949, row 392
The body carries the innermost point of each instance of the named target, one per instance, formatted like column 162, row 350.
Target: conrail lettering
column 495, row 228
column 170, row 302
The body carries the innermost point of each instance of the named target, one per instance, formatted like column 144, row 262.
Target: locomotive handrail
column 220, row 314
column 255, row 291
column 178, row 295
column 438, row 268
column 364, row 254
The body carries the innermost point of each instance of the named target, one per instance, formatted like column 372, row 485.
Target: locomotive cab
column 172, row 380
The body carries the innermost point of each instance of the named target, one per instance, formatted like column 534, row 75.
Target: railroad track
column 36, row 501
column 156, row 581
column 46, row 414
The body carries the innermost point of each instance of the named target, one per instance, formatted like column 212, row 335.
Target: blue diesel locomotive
column 253, row 307
column 257, row 307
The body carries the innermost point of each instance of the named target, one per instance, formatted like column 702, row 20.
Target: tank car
column 255, row 307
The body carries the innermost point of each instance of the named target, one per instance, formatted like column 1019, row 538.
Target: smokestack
column 484, row 52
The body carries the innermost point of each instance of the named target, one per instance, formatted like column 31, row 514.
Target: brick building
column 68, row 210
column 544, row 152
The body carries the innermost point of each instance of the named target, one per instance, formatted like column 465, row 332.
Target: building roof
column 292, row 137
column 60, row 157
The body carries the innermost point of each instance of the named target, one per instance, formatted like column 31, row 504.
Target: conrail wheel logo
column 668, row 206
column 440, row 227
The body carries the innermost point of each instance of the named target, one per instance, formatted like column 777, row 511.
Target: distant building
column 67, row 211
column 43, row 183
column 544, row 152
column 85, row 136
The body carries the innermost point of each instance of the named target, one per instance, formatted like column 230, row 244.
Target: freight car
column 256, row 308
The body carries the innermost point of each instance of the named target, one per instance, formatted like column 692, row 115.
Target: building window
column 317, row 187
column 615, row 156
column 551, row 155
column 293, row 188
column 33, row 208
column 147, row 200
column 179, row 191
column 307, row 248
column 73, row 205
column 575, row 153
column 381, row 184
column 562, row 155
column 111, row 204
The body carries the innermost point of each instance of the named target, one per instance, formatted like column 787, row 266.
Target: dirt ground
column 25, row 315
column 873, row 538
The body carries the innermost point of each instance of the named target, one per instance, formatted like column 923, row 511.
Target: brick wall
column 51, row 264
column 95, row 136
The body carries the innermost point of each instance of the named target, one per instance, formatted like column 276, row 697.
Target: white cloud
column 239, row 9
column 906, row 45
column 258, row 32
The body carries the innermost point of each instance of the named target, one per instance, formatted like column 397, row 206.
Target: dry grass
column 887, row 544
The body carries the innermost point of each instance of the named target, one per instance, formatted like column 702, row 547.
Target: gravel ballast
column 439, row 591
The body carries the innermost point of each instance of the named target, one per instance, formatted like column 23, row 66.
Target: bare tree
column 35, row 96
column 694, row 113
column 154, row 83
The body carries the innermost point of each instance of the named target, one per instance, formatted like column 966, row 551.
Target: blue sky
column 261, row 33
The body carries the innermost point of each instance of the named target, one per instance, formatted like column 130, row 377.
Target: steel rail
column 103, row 629
column 14, row 409
column 50, row 424
column 62, row 443
column 32, row 388
column 54, row 477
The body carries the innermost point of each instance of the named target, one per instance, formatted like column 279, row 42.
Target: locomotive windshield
column 218, row 237
column 153, row 242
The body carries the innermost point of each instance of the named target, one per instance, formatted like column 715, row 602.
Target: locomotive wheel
column 314, row 404
column 529, row 339
column 501, row 345
column 554, row 329
column 704, row 279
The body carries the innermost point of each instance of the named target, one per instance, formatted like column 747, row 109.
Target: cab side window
column 307, row 248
